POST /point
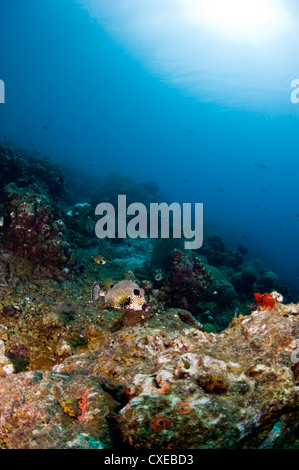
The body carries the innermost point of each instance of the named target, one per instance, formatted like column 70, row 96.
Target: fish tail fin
column 95, row 291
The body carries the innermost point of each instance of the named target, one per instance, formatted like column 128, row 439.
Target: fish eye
column 136, row 292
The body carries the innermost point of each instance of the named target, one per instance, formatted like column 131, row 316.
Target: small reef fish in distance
column 261, row 165
column 99, row 259
column 189, row 131
column 1, row 221
column 44, row 127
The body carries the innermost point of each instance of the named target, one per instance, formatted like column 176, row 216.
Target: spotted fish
column 124, row 294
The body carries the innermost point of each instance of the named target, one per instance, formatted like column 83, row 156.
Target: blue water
column 132, row 87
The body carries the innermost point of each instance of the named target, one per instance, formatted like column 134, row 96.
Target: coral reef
column 233, row 283
column 80, row 221
column 218, row 253
column 115, row 184
column 30, row 171
column 185, row 281
column 185, row 351
column 30, row 229
column 161, row 259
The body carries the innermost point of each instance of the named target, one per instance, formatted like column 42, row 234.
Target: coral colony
column 134, row 339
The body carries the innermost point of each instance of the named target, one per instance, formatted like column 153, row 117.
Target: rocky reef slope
column 150, row 380
column 201, row 366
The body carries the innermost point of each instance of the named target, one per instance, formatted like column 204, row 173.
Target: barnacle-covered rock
column 234, row 390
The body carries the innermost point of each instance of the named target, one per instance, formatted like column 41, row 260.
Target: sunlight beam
column 236, row 19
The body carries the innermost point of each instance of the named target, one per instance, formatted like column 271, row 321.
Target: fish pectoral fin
column 95, row 291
